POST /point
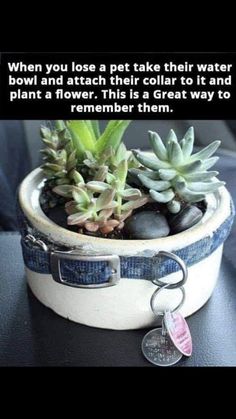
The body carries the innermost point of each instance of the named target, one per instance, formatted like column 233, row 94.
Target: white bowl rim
column 218, row 204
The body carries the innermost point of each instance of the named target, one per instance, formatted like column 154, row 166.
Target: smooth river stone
column 185, row 219
column 147, row 225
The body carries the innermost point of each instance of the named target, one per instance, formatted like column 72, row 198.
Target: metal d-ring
column 36, row 242
column 158, row 290
column 183, row 268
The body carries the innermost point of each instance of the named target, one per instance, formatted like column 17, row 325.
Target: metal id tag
column 158, row 348
column 165, row 346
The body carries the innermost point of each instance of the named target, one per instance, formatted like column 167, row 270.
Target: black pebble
column 146, row 225
column 186, row 218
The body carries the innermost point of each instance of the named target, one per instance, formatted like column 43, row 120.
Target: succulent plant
column 60, row 160
column 90, row 169
column 99, row 205
column 86, row 137
column 175, row 175
column 109, row 160
column 92, row 213
column 73, row 146
column 123, row 192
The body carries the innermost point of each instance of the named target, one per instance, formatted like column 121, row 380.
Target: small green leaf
column 80, row 195
column 121, row 153
column 162, row 197
column 157, row 145
column 124, row 214
column 71, row 161
column 190, row 167
column 157, row 185
column 60, row 125
column 96, row 128
column 49, row 153
column 204, row 186
column 131, row 194
column 54, row 167
column 148, row 173
column 63, row 181
column 63, row 190
column 174, row 206
column 54, row 136
column 77, row 177
column 78, row 218
column 131, row 205
column 45, row 133
column 206, row 151
column 89, row 163
column 132, row 161
column 175, row 154
column 121, row 172
column 61, row 174
column 90, row 127
column 50, row 144
column 151, row 162
column 208, row 163
column 188, row 195
column 105, row 214
column 167, row 174
column 110, row 178
column 112, row 135
column 201, row 176
column 89, row 155
column 97, row 186
column 171, row 137
column 112, row 205
column 187, row 143
column 81, row 136
column 61, row 157
column 101, row 173
column 48, row 173
column 105, row 199
column 106, row 154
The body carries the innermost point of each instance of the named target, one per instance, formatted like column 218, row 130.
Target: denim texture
column 133, row 267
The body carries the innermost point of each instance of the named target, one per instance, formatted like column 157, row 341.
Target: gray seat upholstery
column 14, row 165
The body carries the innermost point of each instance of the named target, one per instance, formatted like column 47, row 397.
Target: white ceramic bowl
column 126, row 305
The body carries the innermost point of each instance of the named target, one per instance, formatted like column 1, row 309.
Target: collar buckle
column 55, row 264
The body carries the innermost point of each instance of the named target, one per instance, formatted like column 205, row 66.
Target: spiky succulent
column 59, row 154
column 70, row 143
column 86, row 137
column 175, row 175
column 99, row 165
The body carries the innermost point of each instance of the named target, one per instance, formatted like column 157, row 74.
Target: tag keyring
column 158, row 290
column 183, row 268
column 166, row 345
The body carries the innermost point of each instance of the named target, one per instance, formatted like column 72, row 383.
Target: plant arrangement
column 103, row 189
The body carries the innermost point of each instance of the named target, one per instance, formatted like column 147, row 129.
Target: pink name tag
column 179, row 332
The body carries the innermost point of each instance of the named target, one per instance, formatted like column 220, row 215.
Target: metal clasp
column 36, row 242
column 170, row 286
column 182, row 265
column 113, row 261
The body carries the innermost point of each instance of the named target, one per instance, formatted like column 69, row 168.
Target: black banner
column 117, row 85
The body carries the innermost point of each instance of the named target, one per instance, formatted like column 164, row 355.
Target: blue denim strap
column 133, row 267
